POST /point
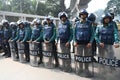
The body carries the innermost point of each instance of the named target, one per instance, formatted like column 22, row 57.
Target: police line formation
column 43, row 42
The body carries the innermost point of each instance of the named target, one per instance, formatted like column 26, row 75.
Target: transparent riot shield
column 64, row 57
column 47, row 55
column 83, row 61
column 34, row 50
column 108, row 60
column 21, row 52
column 13, row 51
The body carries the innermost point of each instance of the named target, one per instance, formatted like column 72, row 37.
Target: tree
column 113, row 6
column 55, row 6
column 22, row 6
column 98, row 13
column 38, row 7
column 41, row 9
column 5, row 5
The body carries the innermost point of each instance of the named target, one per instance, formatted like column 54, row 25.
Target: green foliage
column 5, row 5
column 55, row 6
column 37, row 7
column 113, row 6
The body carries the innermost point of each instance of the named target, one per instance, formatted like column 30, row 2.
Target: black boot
column 57, row 64
column 40, row 62
column 27, row 59
column 4, row 54
column 7, row 55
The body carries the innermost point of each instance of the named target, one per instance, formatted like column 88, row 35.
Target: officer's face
column 48, row 21
column 13, row 26
column 63, row 18
column 36, row 24
column 107, row 20
column 5, row 25
column 83, row 16
column 21, row 26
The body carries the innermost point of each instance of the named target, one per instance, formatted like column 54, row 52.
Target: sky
column 93, row 6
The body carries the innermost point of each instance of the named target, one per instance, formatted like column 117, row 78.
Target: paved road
column 14, row 70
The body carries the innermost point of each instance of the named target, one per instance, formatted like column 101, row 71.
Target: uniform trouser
column 1, row 43
column 94, row 48
column 0, row 47
column 26, row 50
column 82, row 50
column 40, row 51
column 66, row 63
column 55, row 52
column 6, row 48
column 106, row 52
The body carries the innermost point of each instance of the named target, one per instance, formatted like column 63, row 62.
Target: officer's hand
column 9, row 41
column 30, row 41
column 56, row 44
column 46, row 42
column 102, row 45
column 37, row 42
column 89, row 45
column 95, row 24
column 116, row 45
column 17, row 41
column 21, row 41
column 34, row 41
column 67, row 44
column 76, row 44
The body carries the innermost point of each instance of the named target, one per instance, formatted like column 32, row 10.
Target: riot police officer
column 28, row 32
column 106, row 36
column 83, row 37
column 7, row 35
column 92, row 18
column 49, row 35
column 64, row 36
column 24, row 34
column 37, row 36
column 1, row 37
column 14, row 28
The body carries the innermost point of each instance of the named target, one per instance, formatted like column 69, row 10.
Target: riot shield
column 34, row 50
column 21, row 52
column 83, row 59
column 47, row 55
column 13, row 51
column 64, row 57
column 108, row 60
